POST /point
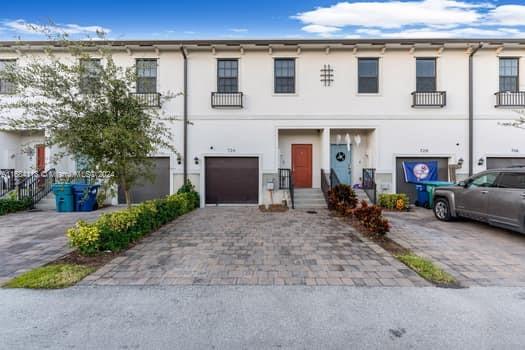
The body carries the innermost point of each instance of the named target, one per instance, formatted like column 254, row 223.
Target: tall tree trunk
column 127, row 194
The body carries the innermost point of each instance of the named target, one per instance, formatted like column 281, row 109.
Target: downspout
column 185, row 117
column 471, row 110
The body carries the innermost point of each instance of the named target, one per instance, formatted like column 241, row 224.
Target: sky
column 263, row 19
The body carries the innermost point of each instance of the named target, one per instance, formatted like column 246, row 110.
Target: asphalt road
column 262, row 318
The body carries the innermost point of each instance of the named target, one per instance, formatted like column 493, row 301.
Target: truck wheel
column 442, row 209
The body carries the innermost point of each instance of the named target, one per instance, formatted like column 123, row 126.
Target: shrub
column 342, row 198
column 370, row 216
column 188, row 187
column 11, row 205
column 394, row 201
column 116, row 231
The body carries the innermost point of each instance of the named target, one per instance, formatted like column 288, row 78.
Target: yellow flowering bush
column 115, row 231
column 394, row 201
column 85, row 237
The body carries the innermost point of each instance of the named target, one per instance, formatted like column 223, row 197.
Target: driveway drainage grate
column 311, row 212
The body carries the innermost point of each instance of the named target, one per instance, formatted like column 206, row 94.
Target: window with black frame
column 6, row 86
column 227, row 75
column 90, row 73
column 146, row 75
column 508, row 74
column 425, row 74
column 368, row 73
column 284, row 73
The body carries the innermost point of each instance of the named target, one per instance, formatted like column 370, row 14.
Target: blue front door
column 341, row 162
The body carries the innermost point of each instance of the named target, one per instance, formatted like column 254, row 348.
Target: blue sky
column 150, row 19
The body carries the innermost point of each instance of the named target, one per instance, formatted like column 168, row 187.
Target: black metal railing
column 369, row 184
column 325, row 184
column 286, row 183
column 149, row 99
column 510, row 99
column 226, row 99
column 7, row 181
column 334, row 180
column 429, row 98
column 36, row 186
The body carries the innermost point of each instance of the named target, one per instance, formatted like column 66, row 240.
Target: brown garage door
column 146, row 189
column 410, row 189
column 233, row 180
column 504, row 162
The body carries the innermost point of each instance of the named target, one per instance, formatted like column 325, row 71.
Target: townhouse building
column 256, row 115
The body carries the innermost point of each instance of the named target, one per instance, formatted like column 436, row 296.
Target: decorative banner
column 420, row 171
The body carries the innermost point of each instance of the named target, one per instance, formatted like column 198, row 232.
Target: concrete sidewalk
column 263, row 317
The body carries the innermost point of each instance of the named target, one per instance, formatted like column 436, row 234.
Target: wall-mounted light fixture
column 196, row 160
column 460, row 162
column 481, row 161
column 179, row 159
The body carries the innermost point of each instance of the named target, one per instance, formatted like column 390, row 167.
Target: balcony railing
column 429, row 99
column 510, row 99
column 149, row 99
column 226, row 99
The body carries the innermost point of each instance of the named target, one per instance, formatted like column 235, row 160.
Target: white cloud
column 320, row 29
column 394, row 14
column 239, row 30
column 508, row 15
column 415, row 19
column 23, row 27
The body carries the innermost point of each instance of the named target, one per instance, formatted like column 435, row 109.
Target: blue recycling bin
column 425, row 192
column 85, row 197
column 64, row 200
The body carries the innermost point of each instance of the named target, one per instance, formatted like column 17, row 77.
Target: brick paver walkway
column 475, row 253
column 225, row 245
column 32, row 239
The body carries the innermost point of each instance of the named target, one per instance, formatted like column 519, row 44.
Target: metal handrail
column 325, row 185
column 226, row 99
column 429, row 98
column 7, row 181
column 334, row 179
column 36, row 186
column 286, row 183
column 510, row 99
column 147, row 99
column 369, row 184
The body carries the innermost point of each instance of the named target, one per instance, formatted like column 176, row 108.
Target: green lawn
column 50, row 277
column 426, row 269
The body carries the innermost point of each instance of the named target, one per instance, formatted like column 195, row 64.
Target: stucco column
column 325, row 149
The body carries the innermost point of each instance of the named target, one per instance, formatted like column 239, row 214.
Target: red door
column 40, row 157
column 302, row 165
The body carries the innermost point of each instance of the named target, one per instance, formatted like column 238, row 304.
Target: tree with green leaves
column 83, row 100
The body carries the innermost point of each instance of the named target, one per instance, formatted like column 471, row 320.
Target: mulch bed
column 94, row 261
column 273, row 208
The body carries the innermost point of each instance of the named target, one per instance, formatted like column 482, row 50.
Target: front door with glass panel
column 341, row 162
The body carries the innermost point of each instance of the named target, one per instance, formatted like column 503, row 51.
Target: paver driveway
column 31, row 239
column 475, row 253
column 225, row 245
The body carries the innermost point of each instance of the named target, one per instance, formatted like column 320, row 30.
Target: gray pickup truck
column 494, row 196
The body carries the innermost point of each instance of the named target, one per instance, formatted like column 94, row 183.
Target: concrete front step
column 309, row 198
column 47, row 203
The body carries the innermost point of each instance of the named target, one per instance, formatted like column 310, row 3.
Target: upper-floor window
column 284, row 76
column 89, row 79
column 227, row 75
column 368, row 73
column 508, row 74
column 6, row 86
column 425, row 74
column 146, row 75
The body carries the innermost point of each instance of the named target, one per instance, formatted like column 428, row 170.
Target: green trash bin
column 64, row 197
column 431, row 188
